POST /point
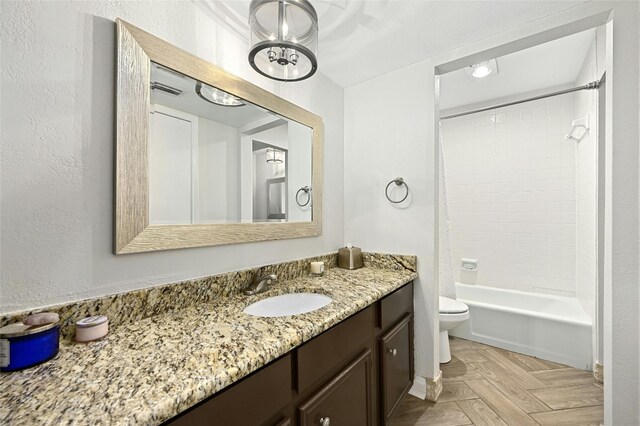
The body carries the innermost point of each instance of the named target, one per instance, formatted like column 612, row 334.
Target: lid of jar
column 19, row 329
column 91, row 321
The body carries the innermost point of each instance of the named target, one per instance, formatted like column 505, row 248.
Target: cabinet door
column 345, row 400
column 322, row 357
column 396, row 355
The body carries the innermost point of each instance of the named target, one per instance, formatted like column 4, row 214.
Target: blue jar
column 23, row 346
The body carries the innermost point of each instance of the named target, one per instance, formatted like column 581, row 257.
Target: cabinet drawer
column 396, row 305
column 266, row 392
column 333, row 348
column 396, row 355
column 345, row 400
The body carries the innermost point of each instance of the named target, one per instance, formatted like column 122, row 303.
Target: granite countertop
column 151, row 370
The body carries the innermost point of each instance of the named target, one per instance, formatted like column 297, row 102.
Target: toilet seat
column 451, row 306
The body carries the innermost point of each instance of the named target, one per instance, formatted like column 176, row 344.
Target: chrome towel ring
column 306, row 190
column 398, row 181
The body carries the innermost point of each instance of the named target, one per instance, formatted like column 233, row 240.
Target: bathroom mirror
column 206, row 158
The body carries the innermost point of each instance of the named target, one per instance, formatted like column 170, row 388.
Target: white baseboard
column 419, row 388
column 426, row 388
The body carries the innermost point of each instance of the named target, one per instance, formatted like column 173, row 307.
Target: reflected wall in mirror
column 212, row 155
column 206, row 158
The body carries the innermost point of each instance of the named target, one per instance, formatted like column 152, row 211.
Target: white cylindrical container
column 92, row 328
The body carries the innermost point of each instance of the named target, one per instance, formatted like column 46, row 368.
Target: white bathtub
column 554, row 328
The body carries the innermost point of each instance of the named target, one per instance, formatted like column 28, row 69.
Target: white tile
column 522, row 198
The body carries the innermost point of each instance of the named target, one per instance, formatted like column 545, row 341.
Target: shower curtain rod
column 589, row 86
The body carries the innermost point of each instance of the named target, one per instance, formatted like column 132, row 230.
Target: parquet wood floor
column 488, row 386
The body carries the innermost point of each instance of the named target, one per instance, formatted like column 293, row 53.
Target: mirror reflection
column 215, row 158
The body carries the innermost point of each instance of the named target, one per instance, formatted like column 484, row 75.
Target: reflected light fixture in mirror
column 274, row 156
column 284, row 39
column 217, row 96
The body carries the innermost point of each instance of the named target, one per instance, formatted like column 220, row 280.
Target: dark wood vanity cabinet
column 356, row 373
column 345, row 400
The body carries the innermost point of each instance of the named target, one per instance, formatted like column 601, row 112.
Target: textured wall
column 388, row 139
column 57, row 150
column 511, row 193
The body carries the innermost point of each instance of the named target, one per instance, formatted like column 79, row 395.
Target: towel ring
column 306, row 190
column 398, row 181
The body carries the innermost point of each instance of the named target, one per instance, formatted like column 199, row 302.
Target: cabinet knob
column 325, row 421
column 393, row 352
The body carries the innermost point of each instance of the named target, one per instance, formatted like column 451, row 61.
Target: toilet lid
column 451, row 306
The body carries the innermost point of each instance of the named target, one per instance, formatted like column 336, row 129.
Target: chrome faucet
column 261, row 283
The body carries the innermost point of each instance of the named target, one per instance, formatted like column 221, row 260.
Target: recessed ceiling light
column 482, row 69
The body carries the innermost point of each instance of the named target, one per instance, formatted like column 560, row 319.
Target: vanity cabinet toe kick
column 356, row 373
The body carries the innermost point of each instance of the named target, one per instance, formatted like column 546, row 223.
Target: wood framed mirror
column 198, row 150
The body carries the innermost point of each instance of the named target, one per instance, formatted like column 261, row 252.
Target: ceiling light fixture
column 284, row 39
column 482, row 69
column 217, row 96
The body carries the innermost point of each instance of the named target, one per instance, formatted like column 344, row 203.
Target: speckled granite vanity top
column 148, row 371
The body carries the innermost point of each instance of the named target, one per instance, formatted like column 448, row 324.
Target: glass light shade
column 284, row 39
column 274, row 156
column 217, row 96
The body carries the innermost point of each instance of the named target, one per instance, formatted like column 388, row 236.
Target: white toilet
column 452, row 314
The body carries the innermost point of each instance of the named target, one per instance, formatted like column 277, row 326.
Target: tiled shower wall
column 511, row 188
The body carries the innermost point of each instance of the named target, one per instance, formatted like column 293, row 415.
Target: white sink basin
column 287, row 304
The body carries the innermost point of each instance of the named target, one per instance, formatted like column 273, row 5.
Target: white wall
column 511, row 195
column 171, row 167
column 299, row 171
column 390, row 128
column 218, row 172
column 276, row 136
column 57, row 151
column 389, row 132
